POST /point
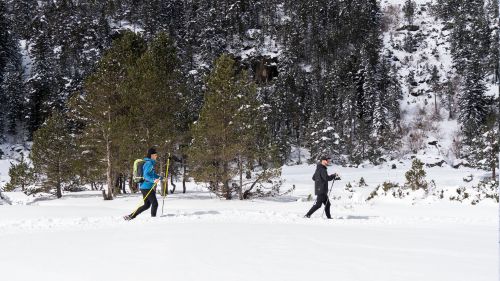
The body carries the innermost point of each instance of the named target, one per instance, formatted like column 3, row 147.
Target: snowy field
column 200, row 237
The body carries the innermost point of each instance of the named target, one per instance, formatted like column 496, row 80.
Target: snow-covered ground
column 200, row 237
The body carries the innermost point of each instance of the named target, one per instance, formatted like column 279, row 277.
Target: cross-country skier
column 151, row 180
column 321, row 179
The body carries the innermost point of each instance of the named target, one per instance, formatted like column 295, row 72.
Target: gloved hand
column 336, row 177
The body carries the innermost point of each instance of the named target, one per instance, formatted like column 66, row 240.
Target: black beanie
column 325, row 157
column 151, row 151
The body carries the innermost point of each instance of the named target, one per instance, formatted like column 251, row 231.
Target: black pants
column 320, row 200
column 148, row 202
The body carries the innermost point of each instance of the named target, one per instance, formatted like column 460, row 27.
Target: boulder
column 440, row 164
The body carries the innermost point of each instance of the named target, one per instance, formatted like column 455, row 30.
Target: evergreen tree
column 43, row 84
column 100, row 108
column 409, row 10
column 15, row 94
column 450, row 90
column 22, row 14
column 5, row 52
column 472, row 101
column 482, row 149
column 391, row 86
column 490, row 151
column 494, row 53
column 87, row 163
column 52, row 148
column 415, row 177
column 435, row 86
column 365, row 102
column 446, row 9
column 156, row 85
column 409, row 42
column 322, row 138
column 21, row 175
column 155, row 100
column 226, row 131
column 470, row 37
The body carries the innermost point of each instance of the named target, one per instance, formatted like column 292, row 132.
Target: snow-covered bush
column 348, row 187
column 387, row 188
column 362, row 182
column 468, row 178
column 483, row 190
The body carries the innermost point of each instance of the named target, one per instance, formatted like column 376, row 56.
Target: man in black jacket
column 321, row 179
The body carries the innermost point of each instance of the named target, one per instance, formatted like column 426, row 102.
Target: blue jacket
column 148, row 172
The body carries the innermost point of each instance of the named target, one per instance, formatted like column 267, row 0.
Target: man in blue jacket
column 321, row 179
column 151, row 179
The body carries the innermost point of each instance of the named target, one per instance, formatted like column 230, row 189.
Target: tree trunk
column 183, row 175
column 494, row 169
column 123, row 181
column 172, row 183
column 450, row 106
column 226, row 190
column 108, row 191
column 58, row 190
column 240, row 168
column 298, row 144
column 116, row 187
column 435, row 104
column 131, row 184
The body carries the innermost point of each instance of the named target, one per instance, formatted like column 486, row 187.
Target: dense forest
column 228, row 87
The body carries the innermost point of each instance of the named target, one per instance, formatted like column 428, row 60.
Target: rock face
column 434, row 142
column 439, row 164
column 460, row 164
column 410, row 27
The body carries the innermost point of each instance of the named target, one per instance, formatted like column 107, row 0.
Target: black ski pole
column 328, row 198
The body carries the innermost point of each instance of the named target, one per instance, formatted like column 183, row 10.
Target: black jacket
column 321, row 179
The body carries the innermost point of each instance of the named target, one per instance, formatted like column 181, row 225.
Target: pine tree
column 101, row 106
column 21, row 175
column 415, row 177
column 409, row 10
column 15, row 93
column 482, row 150
column 494, row 53
column 490, row 150
column 470, row 35
column 23, row 13
column 156, row 85
column 472, row 101
column 5, row 52
column 226, row 131
column 87, row 163
column 43, row 84
column 365, row 102
column 450, row 89
column 155, row 89
column 435, row 86
column 322, row 138
column 52, row 146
